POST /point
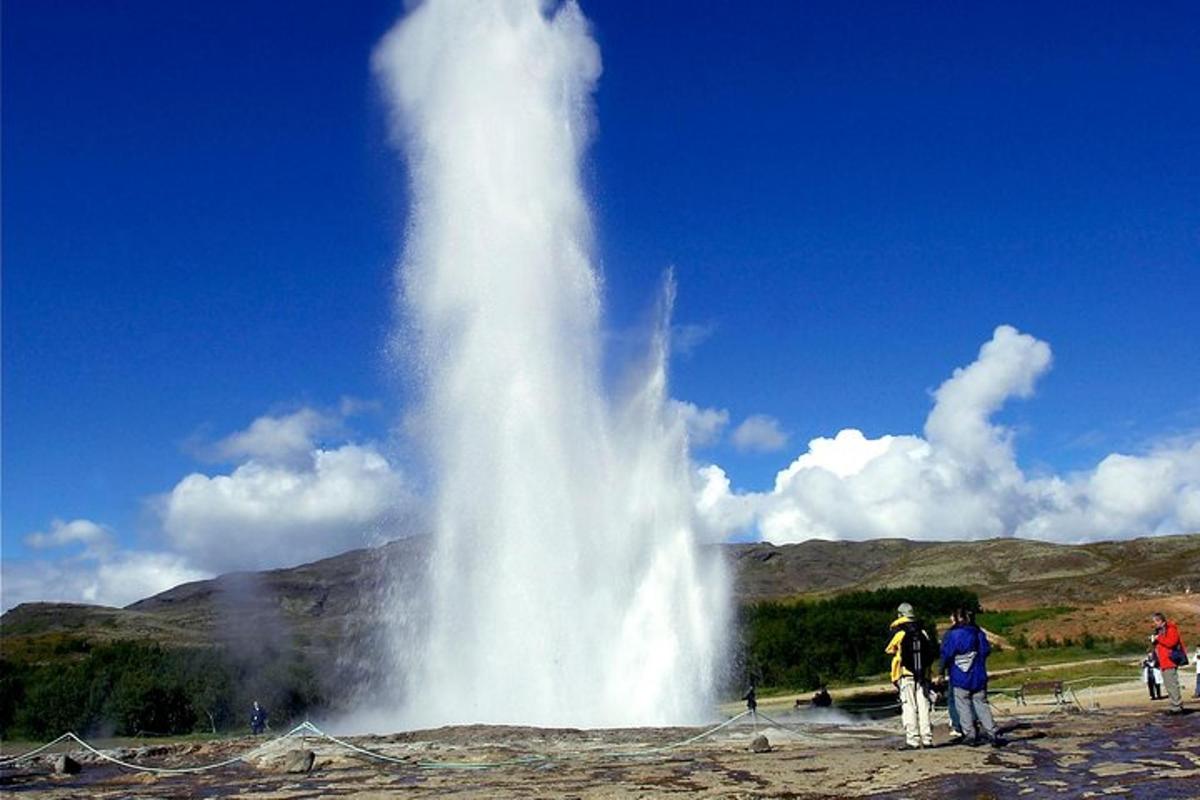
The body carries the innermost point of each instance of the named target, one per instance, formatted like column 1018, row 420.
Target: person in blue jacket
column 258, row 719
column 964, row 655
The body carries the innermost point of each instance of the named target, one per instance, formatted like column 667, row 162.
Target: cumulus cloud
column 961, row 478
column 276, row 438
column 266, row 514
column 94, row 536
column 93, row 570
column 759, row 433
column 287, row 500
column 704, row 425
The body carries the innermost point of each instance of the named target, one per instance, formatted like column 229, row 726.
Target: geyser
column 566, row 584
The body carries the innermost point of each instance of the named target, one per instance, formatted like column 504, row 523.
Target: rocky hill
column 1006, row 573
column 332, row 607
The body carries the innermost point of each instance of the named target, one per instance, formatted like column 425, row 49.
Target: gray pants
column 1171, row 684
column 972, row 706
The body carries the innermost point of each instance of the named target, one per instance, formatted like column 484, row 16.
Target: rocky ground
column 1124, row 748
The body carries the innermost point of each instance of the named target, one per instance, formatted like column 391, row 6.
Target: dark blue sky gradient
column 201, row 213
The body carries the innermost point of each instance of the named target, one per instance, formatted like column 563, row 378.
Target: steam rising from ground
column 566, row 586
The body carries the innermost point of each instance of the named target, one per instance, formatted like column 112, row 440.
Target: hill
column 330, row 608
column 304, row 637
column 1006, row 573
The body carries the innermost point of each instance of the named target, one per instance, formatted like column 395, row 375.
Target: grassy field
column 1035, row 657
column 1082, row 673
column 1005, row 623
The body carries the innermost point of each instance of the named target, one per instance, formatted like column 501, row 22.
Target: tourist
column 956, row 733
column 912, row 657
column 1196, row 664
column 1171, row 654
column 1150, row 674
column 965, row 650
column 258, row 719
column 822, row 699
column 751, row 698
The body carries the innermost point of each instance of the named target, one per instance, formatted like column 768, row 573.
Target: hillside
column 1006, row 573
column 330, row 608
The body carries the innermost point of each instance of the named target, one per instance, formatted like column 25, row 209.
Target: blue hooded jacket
column 965, row 650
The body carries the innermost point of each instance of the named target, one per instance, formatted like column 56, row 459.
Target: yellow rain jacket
column 894, row 648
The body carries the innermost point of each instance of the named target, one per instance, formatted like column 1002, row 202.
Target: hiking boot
column 997, row 742
column 973, row 742
column 907, row 746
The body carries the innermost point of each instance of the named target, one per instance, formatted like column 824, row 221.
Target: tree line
column 802, row 644
column 130, row 688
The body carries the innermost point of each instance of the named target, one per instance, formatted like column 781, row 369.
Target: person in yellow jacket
column 910, row 675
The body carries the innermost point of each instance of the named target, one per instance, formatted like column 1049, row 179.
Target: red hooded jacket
column 1166, row 643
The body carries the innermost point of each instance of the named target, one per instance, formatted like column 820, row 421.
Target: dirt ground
column 1125, row 746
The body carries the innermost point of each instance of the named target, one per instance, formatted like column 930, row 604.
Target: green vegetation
column 1107, row 668
column 1056, row 651
column 134, row 688
column 802, row 644
column 1005, row 622
column 60, row 681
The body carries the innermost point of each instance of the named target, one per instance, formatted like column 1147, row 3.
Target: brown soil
column 1123, row 747
column 1123, row 618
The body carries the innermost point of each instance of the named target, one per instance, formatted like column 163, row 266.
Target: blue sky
column 202, row 214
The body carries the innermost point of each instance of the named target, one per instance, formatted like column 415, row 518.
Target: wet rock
column 299, row 761
column 65, row 765
column 760, row 745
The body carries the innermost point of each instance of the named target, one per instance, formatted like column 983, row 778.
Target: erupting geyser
column 566, row 584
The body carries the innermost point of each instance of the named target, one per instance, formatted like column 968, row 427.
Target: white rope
column 160, row 770
column 14, row 759
column 408, row 761
column 673, row 745
column 520, row 760
column 829, row 734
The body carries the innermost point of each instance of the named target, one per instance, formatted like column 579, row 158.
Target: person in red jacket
column 1165, row 640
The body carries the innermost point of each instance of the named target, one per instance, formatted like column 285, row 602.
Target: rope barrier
column 307, row 728
column 14, row 759
column 157, row 770
column 672, row 746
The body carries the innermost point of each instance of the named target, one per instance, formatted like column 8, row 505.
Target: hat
column 905, row 609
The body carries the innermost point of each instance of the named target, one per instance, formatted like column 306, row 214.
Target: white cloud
column 759, row 433
column 289, row 501
column 92, row 535
column 282, row 439
column 704, row 425
column 961, row 479
column 98, row 574
column 270, row 514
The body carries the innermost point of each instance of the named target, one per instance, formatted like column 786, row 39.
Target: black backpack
column 917, row 651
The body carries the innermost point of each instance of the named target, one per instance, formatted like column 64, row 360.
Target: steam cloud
column 961, row 479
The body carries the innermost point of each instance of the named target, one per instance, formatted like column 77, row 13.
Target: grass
column 1068, row 672
column 1038, row 656
column 1005, row 622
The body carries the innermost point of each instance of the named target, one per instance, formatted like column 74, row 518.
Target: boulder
column 299, row 761
column 65, row 765
column 760, row 745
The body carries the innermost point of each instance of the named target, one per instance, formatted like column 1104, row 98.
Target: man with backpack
column 912, row 654
column 965, row 650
